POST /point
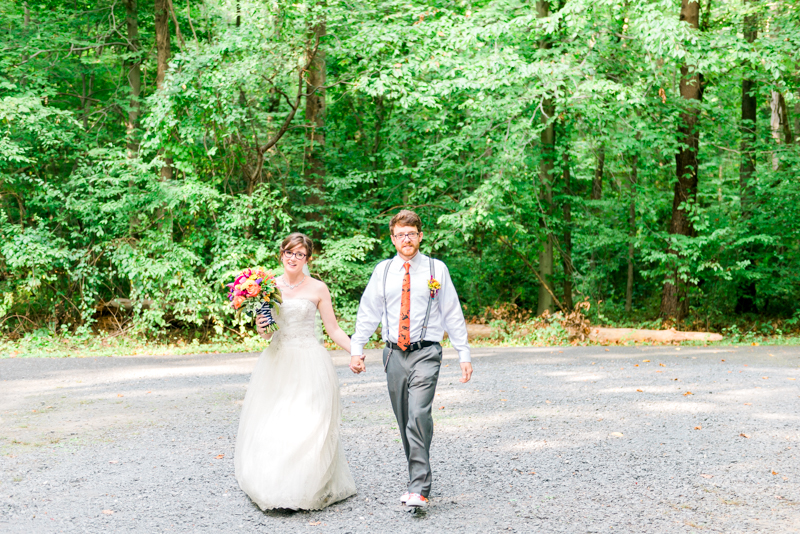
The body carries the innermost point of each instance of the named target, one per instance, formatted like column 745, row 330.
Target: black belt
column 412, row 347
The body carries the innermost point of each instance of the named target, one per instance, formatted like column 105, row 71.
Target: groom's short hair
column 406, row 218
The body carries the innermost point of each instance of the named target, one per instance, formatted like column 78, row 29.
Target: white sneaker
column 416, row 500
column 404, row 497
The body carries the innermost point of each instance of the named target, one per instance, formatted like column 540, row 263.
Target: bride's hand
column 357, row 364
column 262, row 322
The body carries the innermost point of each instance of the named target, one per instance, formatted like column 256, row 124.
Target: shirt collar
column 415, row 262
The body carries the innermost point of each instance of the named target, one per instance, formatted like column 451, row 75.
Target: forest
column 639, row 155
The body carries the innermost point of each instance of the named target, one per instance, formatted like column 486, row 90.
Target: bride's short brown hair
column 295, row 239
column 406, row 218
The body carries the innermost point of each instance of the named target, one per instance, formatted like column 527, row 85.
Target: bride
column 288, row 453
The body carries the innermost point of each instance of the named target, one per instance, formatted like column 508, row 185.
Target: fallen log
column 614, row 335
column 479, row 331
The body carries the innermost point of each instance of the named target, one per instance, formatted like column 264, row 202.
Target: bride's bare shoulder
column 319, row 286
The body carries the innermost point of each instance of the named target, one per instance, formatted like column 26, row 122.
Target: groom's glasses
column 402, row 237
column 299, row 255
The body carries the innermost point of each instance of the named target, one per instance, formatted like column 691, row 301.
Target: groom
column 402, row 296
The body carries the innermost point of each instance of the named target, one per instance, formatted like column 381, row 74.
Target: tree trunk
column 162, row 62
column 674, row 302
column 779, row 124
column 597, row 182
column 162, row 40
column 747, row 166
column 631, row 232
column 597, row 194
column 566, row 254
column 162, row 12
column 134, row 68
column 314, row 169
column 546, row 166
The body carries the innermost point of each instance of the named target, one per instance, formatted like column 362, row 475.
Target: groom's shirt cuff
column 464, row 356
column 356, row 350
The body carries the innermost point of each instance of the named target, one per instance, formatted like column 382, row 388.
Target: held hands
column 357, row 364
column 466, row 372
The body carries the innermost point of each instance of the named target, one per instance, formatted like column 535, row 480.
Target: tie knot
column 407, row 266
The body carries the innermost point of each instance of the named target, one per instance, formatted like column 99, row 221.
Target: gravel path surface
column 584, row 439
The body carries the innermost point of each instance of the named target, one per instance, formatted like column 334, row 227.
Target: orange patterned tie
column 403, row 336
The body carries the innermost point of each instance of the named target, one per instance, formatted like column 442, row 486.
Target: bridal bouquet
column 254, row 291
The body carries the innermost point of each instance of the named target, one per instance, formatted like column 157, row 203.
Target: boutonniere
column 434, row 286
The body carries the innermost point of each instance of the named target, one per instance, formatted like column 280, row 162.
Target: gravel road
column 583, row 439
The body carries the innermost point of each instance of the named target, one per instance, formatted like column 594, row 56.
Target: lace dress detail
column 288, row 451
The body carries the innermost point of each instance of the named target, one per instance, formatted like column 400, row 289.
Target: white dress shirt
column 446, row 314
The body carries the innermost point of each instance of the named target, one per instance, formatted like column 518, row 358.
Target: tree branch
column 535, row 271
column 287, row 122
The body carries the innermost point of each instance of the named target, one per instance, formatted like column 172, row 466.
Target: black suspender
column 430, row 300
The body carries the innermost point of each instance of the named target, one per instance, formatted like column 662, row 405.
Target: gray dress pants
column 412, row 377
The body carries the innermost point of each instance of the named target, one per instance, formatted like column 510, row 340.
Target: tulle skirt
column 288, row 451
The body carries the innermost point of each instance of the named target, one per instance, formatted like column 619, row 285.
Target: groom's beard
column 409, row 250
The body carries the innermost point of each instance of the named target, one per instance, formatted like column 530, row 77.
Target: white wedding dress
column 288, row 452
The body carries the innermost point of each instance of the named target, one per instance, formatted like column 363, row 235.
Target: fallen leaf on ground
column 785, row 478
column 617, row 434
column 548, row 402
column 792, row 379
column 698, row 428
column 774, row 473
column 314, row 523
column 755, row 344
column 219, row 457
column 441, row 407
column 120, row 395
column 646, row 361
column 504, row 400
column 108, row 512
column 113, row 461
column 744, row 435
column 662, row 365
column 764, row 377
column 448, row 365
column 532, row 473
column 639, row 390
column 707, row 476
column 748, row 403
column 688, row 393
column 149, row 391
column 636, row 365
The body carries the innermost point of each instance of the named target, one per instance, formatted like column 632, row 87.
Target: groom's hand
column 357, row 364
column 466, row 372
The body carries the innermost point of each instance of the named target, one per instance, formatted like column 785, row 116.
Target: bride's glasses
column 288, row 254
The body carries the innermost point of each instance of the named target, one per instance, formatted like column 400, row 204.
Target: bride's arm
column 329, row 320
